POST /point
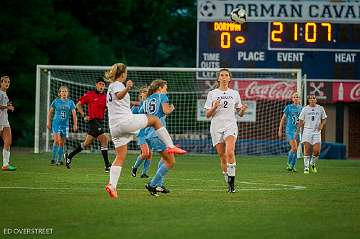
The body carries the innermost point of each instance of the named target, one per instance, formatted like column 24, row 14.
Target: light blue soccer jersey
column 153, row 106
column 141, row 135
column 292, row 113
column 62, row 111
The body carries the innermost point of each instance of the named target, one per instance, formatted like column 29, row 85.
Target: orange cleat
column 112, row 192
column 175, row 150
column 8, row 168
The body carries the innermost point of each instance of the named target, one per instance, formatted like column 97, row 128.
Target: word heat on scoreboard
column 322, row 38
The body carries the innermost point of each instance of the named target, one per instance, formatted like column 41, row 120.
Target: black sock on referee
column 104, row 152
column 76, row 151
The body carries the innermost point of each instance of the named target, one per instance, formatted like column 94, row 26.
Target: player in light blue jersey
column 157, row 103
column 291, row 115
column 146, row 154
column 61, row 108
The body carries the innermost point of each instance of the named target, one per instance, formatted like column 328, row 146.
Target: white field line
column 260, row 187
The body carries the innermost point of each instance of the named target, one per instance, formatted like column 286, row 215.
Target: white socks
column 231, row 168
column 314, row 159
column 306, row 161
column 6, row 157
column 163, row 134
column 115, row 172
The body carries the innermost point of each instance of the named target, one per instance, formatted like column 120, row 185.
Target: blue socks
column 158, row 178
column 60, row 153
column 292, row 157
column 138, row 162
column 54, row 151
column 147, row 163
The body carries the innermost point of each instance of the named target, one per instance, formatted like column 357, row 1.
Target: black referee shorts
column 95, row 128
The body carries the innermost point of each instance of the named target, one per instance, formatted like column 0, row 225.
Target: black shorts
column 95, row 128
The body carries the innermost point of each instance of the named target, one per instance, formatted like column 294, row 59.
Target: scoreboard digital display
column 323, row 47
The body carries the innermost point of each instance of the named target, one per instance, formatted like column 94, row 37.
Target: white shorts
column 220, row 132
column 311, row 137
column 123, row 131
column 5, row 125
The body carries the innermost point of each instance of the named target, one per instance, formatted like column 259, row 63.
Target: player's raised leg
column 163, row 134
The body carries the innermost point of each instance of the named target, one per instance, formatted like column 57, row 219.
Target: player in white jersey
column 312, row 120
column 5, row 129
column 221, row 105
column 124, row 124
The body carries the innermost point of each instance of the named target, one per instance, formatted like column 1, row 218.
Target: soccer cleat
column 144, row 176
column 162, row 189
column 152, row 190
column 293, row 169
column 112, row 192
column 57, row 163
column 52, row 162
column 107, row 169
column 288, row 167
column 61, row 162
column 306, row 171
column 67, row 160
column 175, row 150
column 8, row 168
column 313, row 168
column 133, row 171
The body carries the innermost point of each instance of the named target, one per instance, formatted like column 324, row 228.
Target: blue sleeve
column 286, row 110
column 52, row 105
column 164, row 99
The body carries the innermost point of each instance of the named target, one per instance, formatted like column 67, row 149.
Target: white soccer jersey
column 312, row 117
column 117, row 109
column 4, row 100
column 229, row 102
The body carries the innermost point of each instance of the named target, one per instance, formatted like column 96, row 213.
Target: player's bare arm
column 300, row 126
column 80, row 109
column 210, row 112
column 73, row 112
column 49, row 117
column 168, row 108
column 281, row 125
column 242, row 110
column 128, row 86
column 322, row 124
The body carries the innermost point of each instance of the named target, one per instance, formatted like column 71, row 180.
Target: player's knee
column 230, row 155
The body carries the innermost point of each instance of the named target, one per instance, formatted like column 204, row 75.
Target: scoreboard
column 322, row 38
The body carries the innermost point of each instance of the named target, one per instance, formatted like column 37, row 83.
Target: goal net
column 265, row 91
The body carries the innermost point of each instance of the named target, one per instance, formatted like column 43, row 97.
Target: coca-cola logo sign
column 346, row 92
column 269, row 90
column 355, row 92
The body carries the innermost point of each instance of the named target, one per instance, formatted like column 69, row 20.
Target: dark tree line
column 68, row 32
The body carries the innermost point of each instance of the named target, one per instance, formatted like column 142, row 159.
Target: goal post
column 266, row 91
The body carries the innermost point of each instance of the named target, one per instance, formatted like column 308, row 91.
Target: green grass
column 270, row 202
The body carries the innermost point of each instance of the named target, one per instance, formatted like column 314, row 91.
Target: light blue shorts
column 156, row 144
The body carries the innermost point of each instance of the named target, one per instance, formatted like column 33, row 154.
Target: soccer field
column 269, row 203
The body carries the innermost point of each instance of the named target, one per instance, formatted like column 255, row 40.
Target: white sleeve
column 2, row 99
column 323, row 113
column 238, row 103
column 117, row 87
column 208, row 103
column 302, row 114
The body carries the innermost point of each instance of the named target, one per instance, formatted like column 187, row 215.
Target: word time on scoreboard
column 322, row 38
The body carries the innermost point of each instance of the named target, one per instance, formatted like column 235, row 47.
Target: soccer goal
column 266, row 92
